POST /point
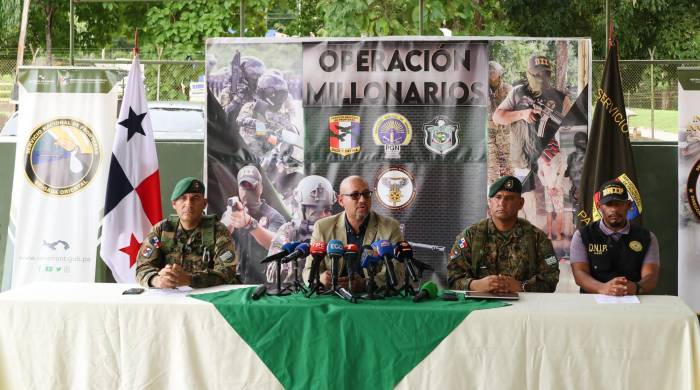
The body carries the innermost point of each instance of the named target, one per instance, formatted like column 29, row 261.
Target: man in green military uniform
column 503, row 253
column 187, row 249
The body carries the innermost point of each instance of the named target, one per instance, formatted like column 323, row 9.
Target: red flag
column 132, row 203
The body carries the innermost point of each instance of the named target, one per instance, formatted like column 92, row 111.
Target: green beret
column 188, row 185
column 506, row 183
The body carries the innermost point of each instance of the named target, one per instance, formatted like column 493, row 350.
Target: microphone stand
column 407, row 288
column 279, row 291
column 335, row 288
column 296, row 285
column 390, row 282
column 315, row 285
column 371, row 286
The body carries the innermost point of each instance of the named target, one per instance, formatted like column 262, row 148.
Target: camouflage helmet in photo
column 252, row 69
column 272, row 89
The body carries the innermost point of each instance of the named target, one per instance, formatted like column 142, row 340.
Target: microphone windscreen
column 304, row 248
column 318, row 248
column 290, row 246
column 335, row 247
column 351, row 248
column 403, row 250
column 383, row 248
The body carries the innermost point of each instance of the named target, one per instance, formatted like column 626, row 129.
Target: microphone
column 427, row 291
column 318, row 252
column 259, row 292
column 335, row 251
column 350, row 256
column 286, row 249
column 404, row 254
column 302, row 250
column 386, row 252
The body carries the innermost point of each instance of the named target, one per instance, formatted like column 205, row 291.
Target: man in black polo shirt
column 612, row 256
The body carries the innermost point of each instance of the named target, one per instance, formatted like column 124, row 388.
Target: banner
column 65, row 125
column 132, row 203
column 609, row 154
column 409, row 115
column 689, row 184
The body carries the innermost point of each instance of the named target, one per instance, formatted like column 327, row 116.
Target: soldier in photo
column 574, row 168
column 252, row 223
column 241, row 85
column 612, row 256
column 262, row 121
column 533, row 111
column 313, row 197
column 503, row 253
column 498, row 136
column 189, row 248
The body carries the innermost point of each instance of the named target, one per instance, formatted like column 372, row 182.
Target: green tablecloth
column 327, row 343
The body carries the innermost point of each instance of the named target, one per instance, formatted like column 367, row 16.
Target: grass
column 664, row 120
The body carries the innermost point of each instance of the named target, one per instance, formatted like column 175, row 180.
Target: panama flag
column 132, row 203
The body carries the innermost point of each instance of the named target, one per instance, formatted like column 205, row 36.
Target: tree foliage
column 180, row 27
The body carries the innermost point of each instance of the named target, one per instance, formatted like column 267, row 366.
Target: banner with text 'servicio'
column 64, row 135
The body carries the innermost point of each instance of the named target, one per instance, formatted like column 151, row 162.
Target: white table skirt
column 89, row 336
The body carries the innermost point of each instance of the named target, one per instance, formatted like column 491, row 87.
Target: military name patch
column 441, row 135
column 61, row 157
column 344, row 136
column 551, row 260
column 635, row 246
column 392, row 130
column 226, row 256
column 396, row 188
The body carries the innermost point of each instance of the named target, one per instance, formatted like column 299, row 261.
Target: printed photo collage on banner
column 411, row 117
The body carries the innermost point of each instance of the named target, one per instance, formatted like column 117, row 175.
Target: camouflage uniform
column 504, row 253
column 169, row 243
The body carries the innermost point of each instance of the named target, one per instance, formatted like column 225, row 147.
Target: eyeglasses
column 356, row 195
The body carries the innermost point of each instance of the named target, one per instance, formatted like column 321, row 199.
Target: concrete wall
column 656, row 162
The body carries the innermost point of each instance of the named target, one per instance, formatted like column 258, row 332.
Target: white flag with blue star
column 132, row 202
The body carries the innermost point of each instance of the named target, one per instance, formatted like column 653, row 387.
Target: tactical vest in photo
column 609, row 259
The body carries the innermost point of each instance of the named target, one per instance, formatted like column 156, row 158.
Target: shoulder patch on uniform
column 155, row 241
column 453, row 255
column 551, row 260
column 226, row 256
column 147, row 252
column 463, row 243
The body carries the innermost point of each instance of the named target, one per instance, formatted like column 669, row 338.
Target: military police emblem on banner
column 441, row 135
column 396, row 188
column 344, row 137
column 392, row 130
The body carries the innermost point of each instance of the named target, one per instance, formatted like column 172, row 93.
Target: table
column 87, row 336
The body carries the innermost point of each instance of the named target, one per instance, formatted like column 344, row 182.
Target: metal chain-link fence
column 650, row 88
